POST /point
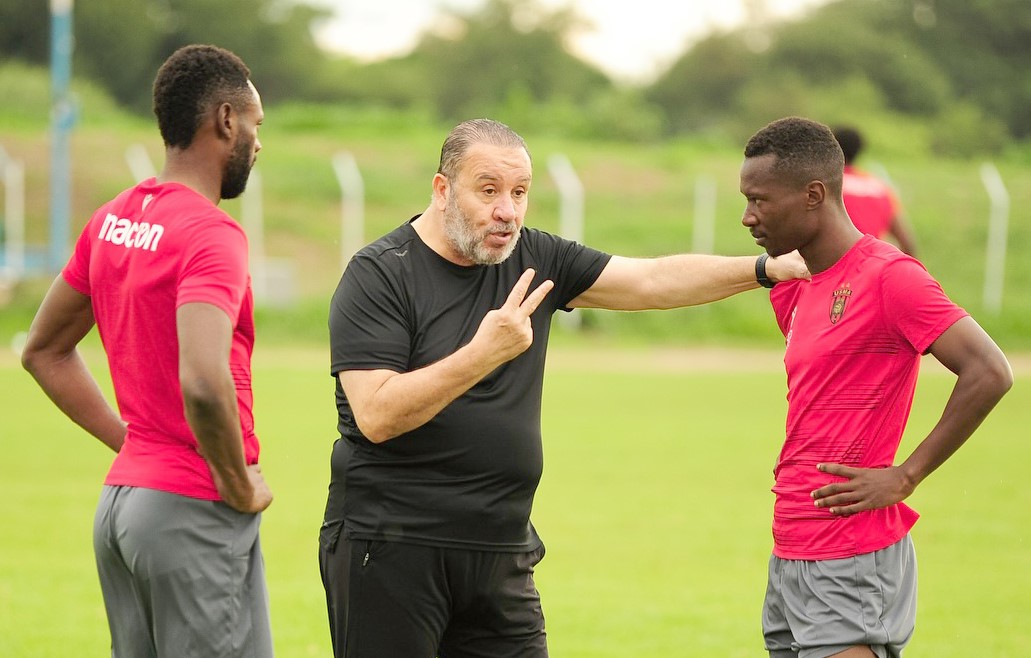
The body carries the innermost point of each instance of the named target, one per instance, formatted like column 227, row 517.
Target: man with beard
column 162, row 272
column 438, row 335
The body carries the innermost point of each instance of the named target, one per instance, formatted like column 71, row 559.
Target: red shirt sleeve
column 215, row 268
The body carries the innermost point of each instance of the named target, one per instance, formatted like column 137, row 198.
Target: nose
column 505, row 209
column 257, row 145
column 748, row 219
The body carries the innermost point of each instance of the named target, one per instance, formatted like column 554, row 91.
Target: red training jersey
column 869, row 202
column 854, row 336
column 142, row 255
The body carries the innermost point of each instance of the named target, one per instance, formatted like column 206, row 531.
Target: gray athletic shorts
column 815, row 609
column 181, row 577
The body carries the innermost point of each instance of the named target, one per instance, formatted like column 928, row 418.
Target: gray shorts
column 181, row 577
column 818, row 608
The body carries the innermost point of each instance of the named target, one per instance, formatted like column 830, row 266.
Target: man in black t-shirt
column 438, row 333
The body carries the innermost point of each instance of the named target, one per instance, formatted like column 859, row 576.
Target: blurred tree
column 844, row 40
column 984, row 47
column 508, row 60
column 961, row 66
column 699, row 88
column 120, row 43
column 111, row 34
column 24, row 30
column 508, row 44
column 950, row 64
column 272, row 37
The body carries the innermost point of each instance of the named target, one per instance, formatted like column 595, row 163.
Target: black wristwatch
column 760, row 272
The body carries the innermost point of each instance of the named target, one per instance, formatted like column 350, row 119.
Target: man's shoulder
column 883, row 262
column 882, row 252
column 541, row 243
column 535, row 236
column 398, row 243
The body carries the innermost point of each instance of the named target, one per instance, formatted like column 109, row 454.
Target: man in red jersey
column 869, row 201
column 162, row 272
column 842, row 577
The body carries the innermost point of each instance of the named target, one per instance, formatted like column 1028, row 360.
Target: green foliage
column 370, row 120
column 23, row 27
column 507, row 43
column 272, row 37
column 609, row 115
column 699, row 87
column 640, row 197
column 983, row 47
column 964, row 130
column 961, row 68
column 937, row 63
column 398, row 83
column 845, row 40
column 31, row 86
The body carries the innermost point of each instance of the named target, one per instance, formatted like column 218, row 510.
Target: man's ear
column 440, row 190
column 225, row 121
column 816, row 193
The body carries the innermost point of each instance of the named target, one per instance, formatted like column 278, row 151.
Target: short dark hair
column 850, row 140
column 805, row 150
column 191, row 81
column 475, row 131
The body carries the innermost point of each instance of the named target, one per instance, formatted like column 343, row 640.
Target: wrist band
column 760, row 272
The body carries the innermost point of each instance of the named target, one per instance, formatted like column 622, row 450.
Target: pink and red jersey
column 142, row 255
column 869, row 202
column 854, row 337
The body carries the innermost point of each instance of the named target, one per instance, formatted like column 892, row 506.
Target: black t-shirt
column 465, row 479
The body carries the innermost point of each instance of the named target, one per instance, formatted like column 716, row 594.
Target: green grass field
column 655, row 502
column 654, row 507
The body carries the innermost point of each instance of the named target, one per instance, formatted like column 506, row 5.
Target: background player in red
column 870, row 202
column 842, row 578
column 162, row 272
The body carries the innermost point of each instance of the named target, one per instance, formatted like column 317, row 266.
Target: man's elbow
column 993, row 378
column 201, row 395
column 376, row 432
column 33, row 360
column 377, row 428
column 29, row 361
column 1000, row 377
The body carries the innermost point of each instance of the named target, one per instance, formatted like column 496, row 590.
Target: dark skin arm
column 983, row 377
column 209, row 401
column 51, row 355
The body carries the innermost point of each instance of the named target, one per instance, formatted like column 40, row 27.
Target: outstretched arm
column 51, row 355
column 983, row 377
column 638, row 284
column 387, row 404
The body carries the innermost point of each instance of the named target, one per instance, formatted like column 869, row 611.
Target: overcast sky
column 632, row 40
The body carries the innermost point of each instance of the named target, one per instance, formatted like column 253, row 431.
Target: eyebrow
column 488, row 177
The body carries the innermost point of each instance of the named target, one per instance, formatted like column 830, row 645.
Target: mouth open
column 499, row 240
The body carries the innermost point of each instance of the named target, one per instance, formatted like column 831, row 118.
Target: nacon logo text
column 138, row 235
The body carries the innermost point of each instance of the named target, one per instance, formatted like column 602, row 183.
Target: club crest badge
column 841, row 296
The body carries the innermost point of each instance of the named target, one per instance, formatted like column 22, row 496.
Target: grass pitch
column 654, row 507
